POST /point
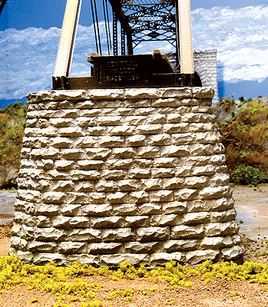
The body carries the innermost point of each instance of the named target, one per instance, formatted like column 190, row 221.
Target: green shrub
column 246, row 175
column 224, row 108
column 245, row 137
column 12, row 124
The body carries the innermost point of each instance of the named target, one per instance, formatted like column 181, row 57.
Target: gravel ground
column 252, row 210
column 7, row 200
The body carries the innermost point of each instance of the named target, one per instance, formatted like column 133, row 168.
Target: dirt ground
column 4, row 246
column 253, row 218
column 252, row 210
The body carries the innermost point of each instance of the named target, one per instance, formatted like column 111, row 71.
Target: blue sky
column 21, row 14
column 30, row 31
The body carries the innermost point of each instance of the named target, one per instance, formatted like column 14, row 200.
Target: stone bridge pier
column 124, row 174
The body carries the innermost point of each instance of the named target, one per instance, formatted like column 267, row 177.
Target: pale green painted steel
column 67, row 40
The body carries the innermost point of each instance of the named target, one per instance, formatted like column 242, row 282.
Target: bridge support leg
column 185, row 37
column 68, row 33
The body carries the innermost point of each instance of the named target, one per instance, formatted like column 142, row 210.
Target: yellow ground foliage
column 69, row 285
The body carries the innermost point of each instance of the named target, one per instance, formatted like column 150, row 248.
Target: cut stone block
column 148, row 234
column 113, row 175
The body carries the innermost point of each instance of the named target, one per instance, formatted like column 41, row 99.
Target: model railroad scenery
column 130, row 183
column 243, row 124
column 244, row 130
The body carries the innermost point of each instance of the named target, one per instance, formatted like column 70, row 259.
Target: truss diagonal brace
column 68, row 33
column 185, row 37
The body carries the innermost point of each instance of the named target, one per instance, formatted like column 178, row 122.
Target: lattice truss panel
column 151, row 20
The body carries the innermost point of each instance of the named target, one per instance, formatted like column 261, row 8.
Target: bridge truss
column 148, row 20
column 140, row 21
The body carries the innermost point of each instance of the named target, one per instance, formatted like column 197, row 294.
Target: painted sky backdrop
column 30, row 32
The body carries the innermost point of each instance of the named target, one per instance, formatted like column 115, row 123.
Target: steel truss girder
column 118, row 12
column 141, row 20
column 145, row 15
column 156, row 26
column 133, row 3
column 157, row 17
column 146, row 10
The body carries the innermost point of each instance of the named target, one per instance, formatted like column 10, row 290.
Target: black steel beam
column 117, row 8
column 3, row 2
column 115, row 34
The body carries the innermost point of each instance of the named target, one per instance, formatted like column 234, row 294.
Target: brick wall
column 128, row 174
column 205, row 64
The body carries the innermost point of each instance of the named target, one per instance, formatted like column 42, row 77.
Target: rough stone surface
column 128, row 174
column 205, row 64
column 8, row 176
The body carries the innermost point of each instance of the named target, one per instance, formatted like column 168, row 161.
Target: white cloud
column 26, row 61
column 241, row 37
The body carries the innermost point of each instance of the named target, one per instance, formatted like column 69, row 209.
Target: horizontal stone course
column 133, row 175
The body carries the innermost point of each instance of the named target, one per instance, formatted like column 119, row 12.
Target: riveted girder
column 158, row 20
column 151, row 20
